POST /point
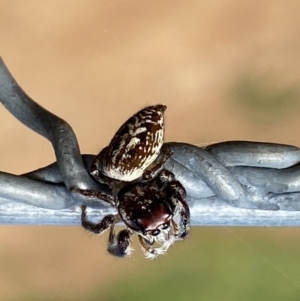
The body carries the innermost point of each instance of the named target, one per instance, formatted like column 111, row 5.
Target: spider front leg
column 177, row 200
column 157, row 165
column 184, row 224
column 119, row 245
column 98, row 228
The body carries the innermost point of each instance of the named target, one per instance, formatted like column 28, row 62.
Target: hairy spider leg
column 97, row 195
column 100, row 227
column 184, row 224
column 119, row 245
column 182, row 208
column 156, row 167
column 178, row 201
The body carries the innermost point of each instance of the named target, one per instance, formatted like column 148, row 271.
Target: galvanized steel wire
column 236, row 183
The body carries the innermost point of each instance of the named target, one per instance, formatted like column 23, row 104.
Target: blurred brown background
column 227, row 70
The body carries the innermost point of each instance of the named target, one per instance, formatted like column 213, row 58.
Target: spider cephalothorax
column 156, row 211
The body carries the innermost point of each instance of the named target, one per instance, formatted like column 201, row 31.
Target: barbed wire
column 228, row 183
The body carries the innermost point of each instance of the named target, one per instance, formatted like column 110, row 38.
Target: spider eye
column 165, row 226
column 155, row 232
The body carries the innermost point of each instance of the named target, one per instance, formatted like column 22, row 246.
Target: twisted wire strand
column 229, row 183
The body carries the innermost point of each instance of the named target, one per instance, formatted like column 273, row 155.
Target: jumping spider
column 150, row 210
column 148, row 198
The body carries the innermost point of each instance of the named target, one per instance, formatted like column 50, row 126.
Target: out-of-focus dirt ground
column 227, row 70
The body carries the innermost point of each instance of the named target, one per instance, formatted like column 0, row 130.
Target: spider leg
column 96, row 195
column 166, row 176
column 184, row 224
column 178, row 200
column 100, row 227
column 154, row 168
column 99, row 176
column 119, row 245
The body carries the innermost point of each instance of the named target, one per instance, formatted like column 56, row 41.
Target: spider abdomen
column 135, row 145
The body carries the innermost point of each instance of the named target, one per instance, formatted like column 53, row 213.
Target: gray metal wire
column 229, row 183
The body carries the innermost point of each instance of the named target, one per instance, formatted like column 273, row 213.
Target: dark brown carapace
column 134, row 147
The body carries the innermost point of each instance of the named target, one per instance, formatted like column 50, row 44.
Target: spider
column 150, row 210
column 148, row 197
